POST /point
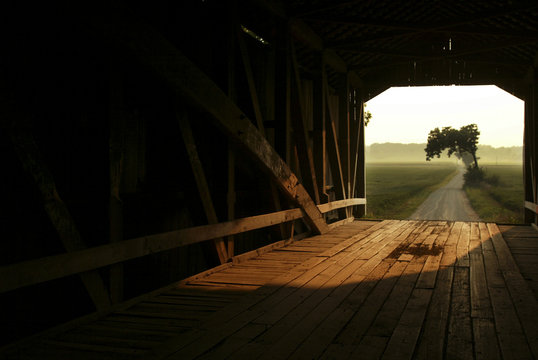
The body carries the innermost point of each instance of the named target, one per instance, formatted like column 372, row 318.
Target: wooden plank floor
column 391, row 290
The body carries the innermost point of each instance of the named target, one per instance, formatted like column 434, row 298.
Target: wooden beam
column 29, row 155
column 341, row 204
column 528, row 145
column 302, row 140
column 201, row 182
column 531, row 206
column 258, row 114
column 360, row 189
column 116, row 143
column 319, row 112
column 534, row 111
column 333, row 147
column 231, row 198
column 304, row 33
column 250, row 80
column 53, row 267
column 282, row 93
column 343, row 132
column 156, row 53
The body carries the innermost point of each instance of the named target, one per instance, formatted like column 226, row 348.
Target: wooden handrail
column 531, row 206
column 48, row 268
column 323, row 208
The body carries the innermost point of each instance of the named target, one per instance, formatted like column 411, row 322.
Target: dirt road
column 447, row 203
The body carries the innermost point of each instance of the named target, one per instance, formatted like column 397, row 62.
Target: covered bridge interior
column 146, row 142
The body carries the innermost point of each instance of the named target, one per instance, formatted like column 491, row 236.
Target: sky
column 407, row 114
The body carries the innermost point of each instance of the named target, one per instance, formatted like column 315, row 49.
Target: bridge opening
column 399, row 180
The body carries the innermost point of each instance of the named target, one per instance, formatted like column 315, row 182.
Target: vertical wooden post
column 358, row 184
column 250, row 80
column 361, row 161
column 300, row 131
column 333, row 149
column 232, row 29
column 343, row 133
column 282, row 94
column 534, row 111
column 319, row 112
column 201, row 182
column 231, row 197
column 528, row 153
column 116, row 143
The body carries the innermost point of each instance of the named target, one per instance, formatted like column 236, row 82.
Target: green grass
column 394, row 191
column 500, row 197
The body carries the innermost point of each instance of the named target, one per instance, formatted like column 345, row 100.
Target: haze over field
column 414, row 153
column 407, row 114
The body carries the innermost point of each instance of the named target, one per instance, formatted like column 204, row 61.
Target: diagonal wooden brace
column 152, row 50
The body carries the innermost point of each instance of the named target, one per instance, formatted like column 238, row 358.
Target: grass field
column 394, row 191
column 500, row 196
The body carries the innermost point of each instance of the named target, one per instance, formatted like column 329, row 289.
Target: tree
column 367, row 116
column 460, row 141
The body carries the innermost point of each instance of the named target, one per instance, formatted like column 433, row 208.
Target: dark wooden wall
column 95, row 146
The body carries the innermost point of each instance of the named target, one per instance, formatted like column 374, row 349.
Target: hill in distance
column 414, row 153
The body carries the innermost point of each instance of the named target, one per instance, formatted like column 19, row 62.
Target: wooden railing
column 48, row 268
column 531, row 206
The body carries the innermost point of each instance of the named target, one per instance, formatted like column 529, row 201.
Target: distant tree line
column 397, row 152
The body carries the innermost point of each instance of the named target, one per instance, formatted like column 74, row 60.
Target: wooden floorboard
column 370, row 290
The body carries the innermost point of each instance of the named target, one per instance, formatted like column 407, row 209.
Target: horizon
column 424, row 143
column 498, row 114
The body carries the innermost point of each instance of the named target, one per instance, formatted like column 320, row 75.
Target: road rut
column 447, row 203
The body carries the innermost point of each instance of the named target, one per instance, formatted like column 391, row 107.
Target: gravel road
column 447, row 203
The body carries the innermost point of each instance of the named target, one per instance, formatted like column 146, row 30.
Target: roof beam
column 464, row 20
column 361, row 41
column 304, row 33
column 453, row 55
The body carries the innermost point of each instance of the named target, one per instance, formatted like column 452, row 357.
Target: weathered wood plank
column 522, row 296
column 449, row 252
column 480, row 303
column 433, row 339
column 460, row 340
column 323, row 208
column 405, row 336
column 485, row 339
column 462, row 247
column 512, row 341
